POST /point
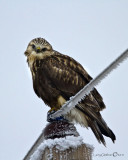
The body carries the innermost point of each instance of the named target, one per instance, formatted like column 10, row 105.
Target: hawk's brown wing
column 68, row 76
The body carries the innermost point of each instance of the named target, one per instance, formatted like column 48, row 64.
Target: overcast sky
column 92, row 32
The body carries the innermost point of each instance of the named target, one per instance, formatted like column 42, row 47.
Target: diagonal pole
column 89, row 87
column 34, row 147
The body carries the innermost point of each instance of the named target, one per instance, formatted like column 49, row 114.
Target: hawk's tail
column 99, row 131
column 96, row 123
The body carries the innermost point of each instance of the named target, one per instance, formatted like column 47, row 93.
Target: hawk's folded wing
column 68, row 76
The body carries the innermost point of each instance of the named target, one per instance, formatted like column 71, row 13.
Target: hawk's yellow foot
column 52, row 110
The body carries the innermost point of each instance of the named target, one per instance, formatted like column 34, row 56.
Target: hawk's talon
column 52, row 110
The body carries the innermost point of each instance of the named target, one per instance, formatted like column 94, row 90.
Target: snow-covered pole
column 60, row 141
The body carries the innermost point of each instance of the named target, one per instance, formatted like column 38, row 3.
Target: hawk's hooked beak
column 38, row 49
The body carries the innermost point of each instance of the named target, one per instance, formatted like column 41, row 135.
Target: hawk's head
column 38, row 46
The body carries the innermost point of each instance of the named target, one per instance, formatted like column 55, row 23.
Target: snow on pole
column 89, row 87
column 61, row 142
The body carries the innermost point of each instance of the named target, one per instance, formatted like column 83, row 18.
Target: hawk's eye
column 33, row 46
column 44, row 49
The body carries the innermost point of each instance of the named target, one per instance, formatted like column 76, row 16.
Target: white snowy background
column 92, row 32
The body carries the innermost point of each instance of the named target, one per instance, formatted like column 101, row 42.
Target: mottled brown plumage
column 57, row 77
